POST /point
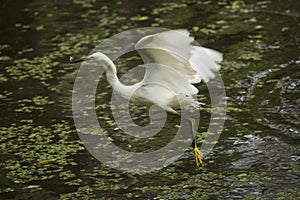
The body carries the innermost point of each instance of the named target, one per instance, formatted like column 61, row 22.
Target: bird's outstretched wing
column 174, row 49
column 173, row 65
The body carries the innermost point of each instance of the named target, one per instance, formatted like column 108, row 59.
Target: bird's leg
column 197, row 152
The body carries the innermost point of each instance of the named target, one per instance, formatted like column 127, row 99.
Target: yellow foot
column 198, row 156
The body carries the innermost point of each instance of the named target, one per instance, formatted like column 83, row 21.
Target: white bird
column 168, row 83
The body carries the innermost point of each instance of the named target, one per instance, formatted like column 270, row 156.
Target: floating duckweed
column 40, row 28
column 36, row 103
column 84, row 4
column 3, row 46
column 235, row 5
column 283, row 29
column 195, row 28
column 3, row 78
column 41, row 68
column 41, row 157
column 38, row 68
column 252, row 19
column 41, row 151
column 139, row 18
column 65, row 175
column 40, row 100
column 208, row 31
column 258, row 27
column 25, row 51
column 250, row 56
column 5, row 58
column 84, row 192
column 168, row 7
column 217, row 27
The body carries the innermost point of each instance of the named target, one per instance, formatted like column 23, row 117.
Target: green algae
column 3, row 78
column 37, row 103
column 41, row 152
column 36, row 155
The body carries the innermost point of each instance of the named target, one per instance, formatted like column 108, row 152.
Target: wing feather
column 173, row 48
column 174, row 63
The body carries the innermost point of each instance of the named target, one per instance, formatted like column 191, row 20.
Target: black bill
column 72, row 60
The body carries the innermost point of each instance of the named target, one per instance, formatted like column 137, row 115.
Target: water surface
column 257, row 155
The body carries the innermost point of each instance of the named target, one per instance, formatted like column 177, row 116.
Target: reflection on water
column 257, row 155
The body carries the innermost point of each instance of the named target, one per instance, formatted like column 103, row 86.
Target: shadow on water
column 257, row 155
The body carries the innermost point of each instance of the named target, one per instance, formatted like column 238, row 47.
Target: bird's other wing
column 167, row 77
column 206, row 62
column 173, row 48
column 164, row 86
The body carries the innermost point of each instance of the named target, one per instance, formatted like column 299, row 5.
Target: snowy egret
column 169, row 84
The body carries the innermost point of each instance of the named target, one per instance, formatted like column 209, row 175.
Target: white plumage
column 173, row 65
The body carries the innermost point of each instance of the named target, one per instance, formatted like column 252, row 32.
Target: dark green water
column 257, row 155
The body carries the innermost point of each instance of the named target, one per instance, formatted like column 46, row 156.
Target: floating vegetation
column 254, row 56
column 256, row 156
column 36, row 103
column 35, row 153
column 3, row 78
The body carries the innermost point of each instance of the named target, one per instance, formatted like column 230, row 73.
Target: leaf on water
column 242, row 175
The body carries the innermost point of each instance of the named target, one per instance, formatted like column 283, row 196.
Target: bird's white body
column 174, row 65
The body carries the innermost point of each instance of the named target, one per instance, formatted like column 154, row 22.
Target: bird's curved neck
column 112, row 78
